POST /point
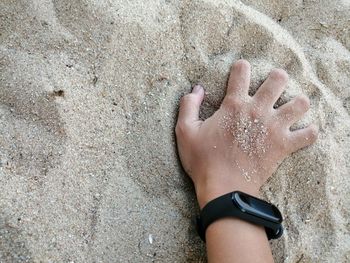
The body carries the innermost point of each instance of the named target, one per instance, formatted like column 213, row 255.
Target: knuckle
column 180, row 128
column 187, row 99
column 232, row 102
column 255, row 114
column 285, row 146
column 313, row 133
column 303, row 102
column 284, row 139
column 279, row 74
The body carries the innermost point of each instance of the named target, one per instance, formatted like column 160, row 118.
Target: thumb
column 189, row 106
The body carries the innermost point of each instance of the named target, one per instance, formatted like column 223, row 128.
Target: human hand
column 242, row 144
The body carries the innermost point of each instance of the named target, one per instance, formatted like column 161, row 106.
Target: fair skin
column 239, row 148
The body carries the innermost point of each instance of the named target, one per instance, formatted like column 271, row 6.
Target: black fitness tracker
column 245, row 207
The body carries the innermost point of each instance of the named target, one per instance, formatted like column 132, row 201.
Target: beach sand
column 89, row 93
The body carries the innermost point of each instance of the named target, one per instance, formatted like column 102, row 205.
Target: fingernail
column 196, row 89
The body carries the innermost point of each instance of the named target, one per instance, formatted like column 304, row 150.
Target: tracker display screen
column 257, row 207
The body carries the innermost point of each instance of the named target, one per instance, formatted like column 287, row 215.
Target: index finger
column 239, row 80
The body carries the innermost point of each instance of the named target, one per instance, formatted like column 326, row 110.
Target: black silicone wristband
column 224, row 206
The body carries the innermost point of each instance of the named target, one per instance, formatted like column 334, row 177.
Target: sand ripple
column 89, row 93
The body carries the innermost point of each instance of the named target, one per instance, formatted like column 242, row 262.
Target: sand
column 89, row 95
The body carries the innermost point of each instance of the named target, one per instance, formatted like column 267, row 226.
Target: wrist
column 211, row 189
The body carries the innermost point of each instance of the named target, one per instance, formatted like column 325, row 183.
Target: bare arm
column 239, row 148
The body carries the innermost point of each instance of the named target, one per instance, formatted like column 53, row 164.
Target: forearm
column 233, row 240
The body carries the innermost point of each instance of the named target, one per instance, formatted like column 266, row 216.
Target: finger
column 303, row 137
column 293, row 110
column 189, row 106
column 272, row 88
column 239, row 80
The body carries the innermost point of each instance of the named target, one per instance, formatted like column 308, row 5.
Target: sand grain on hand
column 247, row 133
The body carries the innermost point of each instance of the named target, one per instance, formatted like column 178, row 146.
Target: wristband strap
column 224, row 206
